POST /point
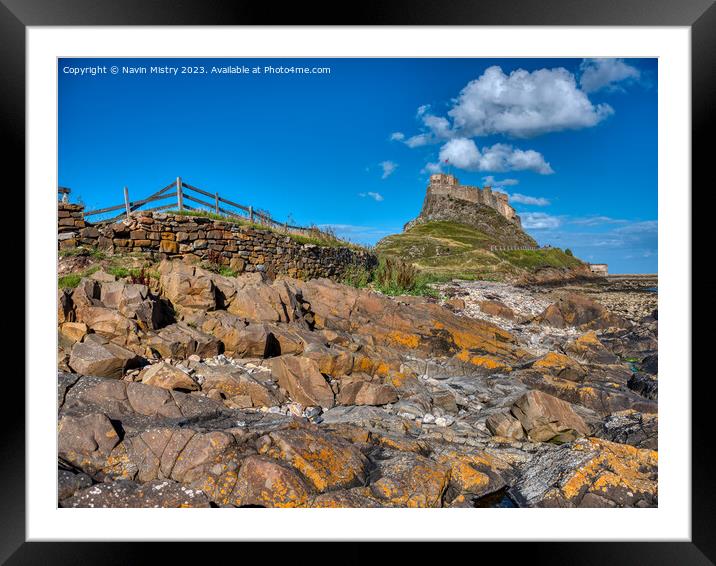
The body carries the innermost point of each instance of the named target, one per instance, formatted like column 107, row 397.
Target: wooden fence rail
column 181, row 193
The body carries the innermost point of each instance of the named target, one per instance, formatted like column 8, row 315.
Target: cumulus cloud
column 370, row 194
column 388, row 168
column 598, row 74
column 539, row 221
column 524, row 104
column 397, row 136
column 490, row 181
column 464, row 154
column 524, row 199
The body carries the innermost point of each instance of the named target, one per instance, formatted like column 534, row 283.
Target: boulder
column 303, row 381
column 86, row 442
column 239, row 339
column 97, row 356
column 356, row 390
column 588, row 348
column 167, row 376
column 230, row 383
column 133, row 301
column 546, row 418
column 580, row 311
column 505, row 425
column 327, row 461
column 560, row 365
column 498, row 309
column 186, row 286
column 410, row 480
column 265, row 482
column 179, row 341
column 106, row 322
column 258, row 301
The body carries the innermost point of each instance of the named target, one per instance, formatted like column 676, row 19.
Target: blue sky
column 573, row 141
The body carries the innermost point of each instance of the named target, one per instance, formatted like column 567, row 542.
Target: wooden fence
column 180, row 192
column 512, row 248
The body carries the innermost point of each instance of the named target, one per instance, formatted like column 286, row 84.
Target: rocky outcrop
column 208, row 390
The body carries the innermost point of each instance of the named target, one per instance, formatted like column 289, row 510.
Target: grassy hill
column 450, row 249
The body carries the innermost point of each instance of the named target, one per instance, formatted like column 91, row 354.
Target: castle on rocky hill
column 447, row 199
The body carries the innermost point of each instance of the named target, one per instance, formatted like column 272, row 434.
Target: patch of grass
column 95, row 253
column 132, row 272
column 391, row 277
column 69, row 281
column 536, row 259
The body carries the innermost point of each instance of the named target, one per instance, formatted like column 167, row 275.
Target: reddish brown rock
column 302, row 379
column 547, row 418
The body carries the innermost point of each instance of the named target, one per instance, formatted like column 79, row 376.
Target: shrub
column 569, row 252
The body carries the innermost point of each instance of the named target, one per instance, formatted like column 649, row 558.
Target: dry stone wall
column 243, row 248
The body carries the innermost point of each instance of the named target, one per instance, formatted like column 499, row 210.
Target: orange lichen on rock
column 614, row 466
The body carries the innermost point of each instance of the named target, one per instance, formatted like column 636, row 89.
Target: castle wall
column 448, row 185
column 244, row 248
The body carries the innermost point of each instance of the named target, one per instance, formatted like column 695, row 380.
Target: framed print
column 412, row 277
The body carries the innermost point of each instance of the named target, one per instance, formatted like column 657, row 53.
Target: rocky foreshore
column 199, row 390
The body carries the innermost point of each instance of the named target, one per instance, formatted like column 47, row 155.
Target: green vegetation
column 95, row 253
column 132, row 272
column 445, row 250
column 71, row 280
column 392, row 277
column 536, row 259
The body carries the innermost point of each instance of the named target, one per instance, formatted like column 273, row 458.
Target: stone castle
column 445, row 194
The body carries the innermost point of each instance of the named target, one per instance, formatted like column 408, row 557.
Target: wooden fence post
column 126, row 200
column 180, row 198
column 251, row 213
column 216, row 202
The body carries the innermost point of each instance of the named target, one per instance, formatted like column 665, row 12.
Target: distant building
column 600, row 268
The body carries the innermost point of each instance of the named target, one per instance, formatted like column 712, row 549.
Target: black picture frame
column 699, row 15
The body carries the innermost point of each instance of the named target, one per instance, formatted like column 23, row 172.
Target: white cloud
column 606, row 73
column 388, row 168
column 422, row 110
column 524, row 199
column 370, row 194
column 596, row 221
column 490, row 181
column 397, row 136
column 432, row 168
column 523, row 104
column 419, row 140
column 539, row 221
column 464, row 154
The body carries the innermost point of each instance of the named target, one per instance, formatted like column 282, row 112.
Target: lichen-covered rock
column 589, row 472
column 410, row 480
column 560, row 365
column 167, row 376
column 588, row 348
column 328, row 462
column 265, row 482
column 86, row 442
